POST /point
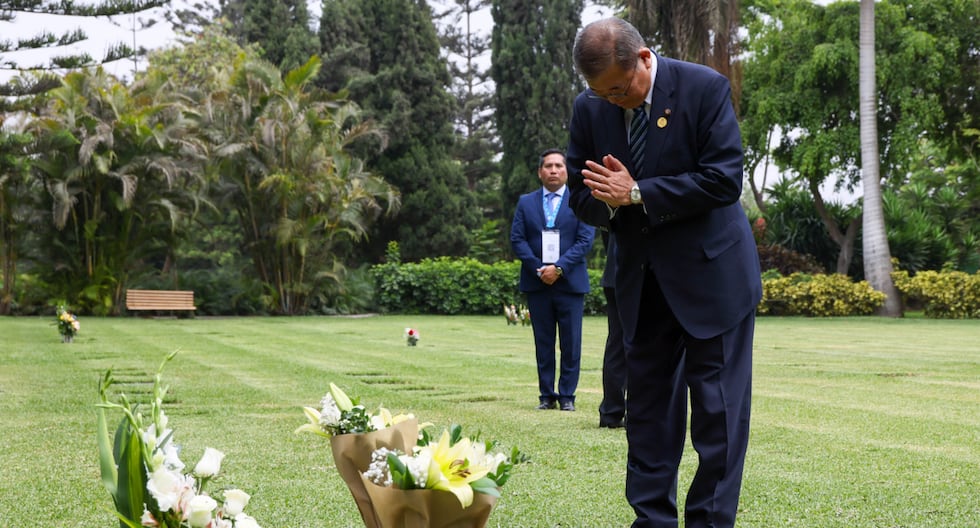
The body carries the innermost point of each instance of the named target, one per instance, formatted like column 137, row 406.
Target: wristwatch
column 635, row 197
column 559, row 270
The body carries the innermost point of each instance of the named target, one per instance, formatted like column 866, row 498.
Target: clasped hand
column 610, row 182
column 548, row 273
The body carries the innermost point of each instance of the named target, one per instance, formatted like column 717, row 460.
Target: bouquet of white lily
column 354, row 433
column 399, row 475
column 408, row 490
column 142, row 471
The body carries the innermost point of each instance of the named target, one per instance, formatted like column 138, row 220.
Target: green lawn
column 857, row 422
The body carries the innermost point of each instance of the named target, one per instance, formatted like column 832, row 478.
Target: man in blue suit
column 552, row 245
column 655, row 155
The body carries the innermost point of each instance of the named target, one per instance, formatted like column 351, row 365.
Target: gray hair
column 604, row 43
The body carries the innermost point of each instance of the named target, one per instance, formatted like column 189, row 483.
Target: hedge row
column 947, row 294
column 451, row 286
column 817, row 295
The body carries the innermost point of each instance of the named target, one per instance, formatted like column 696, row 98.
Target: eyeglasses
column 620, row 95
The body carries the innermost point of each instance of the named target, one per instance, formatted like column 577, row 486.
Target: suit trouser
column 551, row 309
column 613, row 406
column 661, row 359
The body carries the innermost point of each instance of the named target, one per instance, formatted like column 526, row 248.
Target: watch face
column 635, row 194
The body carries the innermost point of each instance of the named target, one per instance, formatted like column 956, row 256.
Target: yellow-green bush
column 946, row 294
column 817, row 295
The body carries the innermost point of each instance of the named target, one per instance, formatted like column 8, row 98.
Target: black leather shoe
column 612, row 424
column 548, row 404
column 567, row 406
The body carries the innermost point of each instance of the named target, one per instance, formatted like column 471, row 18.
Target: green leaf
column 132, row 476
column 401, row 477
column 455, row 434
column 485, row 486
column 107, row 463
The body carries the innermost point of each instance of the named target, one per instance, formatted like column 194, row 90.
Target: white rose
column 165, row 486
column 210, row 463
column 235, row 502
column 245, row 521
column 199, row 511
column 171, row 456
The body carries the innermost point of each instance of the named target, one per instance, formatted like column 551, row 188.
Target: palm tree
column 119, row 169
column 279, row 151
column 877, row 256
column 699, row 31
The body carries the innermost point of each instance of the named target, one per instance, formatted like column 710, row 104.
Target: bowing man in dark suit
column 612, row 409
column 552, row 245
column 687, row 280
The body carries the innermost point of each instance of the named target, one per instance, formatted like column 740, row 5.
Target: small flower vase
column 67, row 338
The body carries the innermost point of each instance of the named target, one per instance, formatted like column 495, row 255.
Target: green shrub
column 817, row 295
column 458, row 286
column 946, row 294
column 786, row 261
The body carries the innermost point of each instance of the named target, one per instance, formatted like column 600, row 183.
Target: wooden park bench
column 159, row 300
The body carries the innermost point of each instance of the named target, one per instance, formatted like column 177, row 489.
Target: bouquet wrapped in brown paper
column 354, row 434
column 400, row 477
column 426, row 508
column 352, row 454
column 450, row 483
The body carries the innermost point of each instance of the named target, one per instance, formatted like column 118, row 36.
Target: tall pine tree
column 19, row 55
column 536, row 82
column 477, row 146
column 281, row 28
column 386, row 54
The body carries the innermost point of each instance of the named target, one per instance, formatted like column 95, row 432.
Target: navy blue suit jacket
column 576, row 241
column 693, row 234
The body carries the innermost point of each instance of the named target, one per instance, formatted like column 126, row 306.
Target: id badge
column 550, row 246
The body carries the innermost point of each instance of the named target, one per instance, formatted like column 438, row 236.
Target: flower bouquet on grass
column 517, row 314
column 354, row 434
column 409, row 490
column 411, row 336
column 68, row 325
column 403, row 478
column 142, row 471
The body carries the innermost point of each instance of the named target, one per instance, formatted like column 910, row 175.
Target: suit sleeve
column 575, row 255
column 519, row 240
column 580, row 149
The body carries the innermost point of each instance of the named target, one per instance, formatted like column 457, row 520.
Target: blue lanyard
column 550, row 214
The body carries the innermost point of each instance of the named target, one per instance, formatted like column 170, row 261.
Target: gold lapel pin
column 661, row 122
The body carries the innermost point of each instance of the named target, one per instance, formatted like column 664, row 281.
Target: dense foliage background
column 279, row 163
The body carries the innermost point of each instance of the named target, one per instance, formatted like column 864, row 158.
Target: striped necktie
column 638, row 137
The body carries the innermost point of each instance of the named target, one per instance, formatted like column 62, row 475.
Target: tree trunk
column 877, row 255
column 844, row 240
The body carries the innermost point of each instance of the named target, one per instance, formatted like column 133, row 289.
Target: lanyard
column 550, row 214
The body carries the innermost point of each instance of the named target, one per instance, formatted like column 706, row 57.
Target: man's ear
column 645, row 55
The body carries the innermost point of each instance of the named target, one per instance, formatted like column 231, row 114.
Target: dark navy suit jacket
column 693, row 234
column 576, row 241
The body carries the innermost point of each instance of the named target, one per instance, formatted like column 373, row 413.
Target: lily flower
column 450, row 468
column 343, row 402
